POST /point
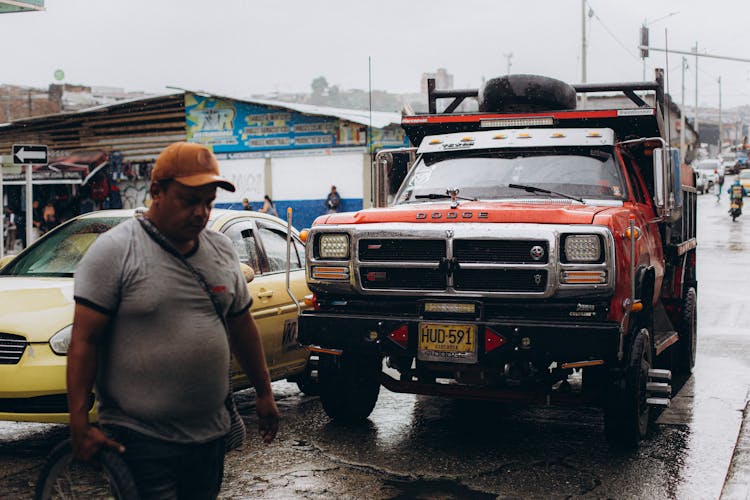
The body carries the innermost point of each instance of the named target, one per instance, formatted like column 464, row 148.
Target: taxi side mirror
column 247, row 272
column 5, row 260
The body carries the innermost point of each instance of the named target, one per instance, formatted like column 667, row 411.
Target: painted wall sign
column 232, row 127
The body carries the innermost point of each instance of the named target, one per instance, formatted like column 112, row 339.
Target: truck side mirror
column 389, row 170
column 659, row 179
column 667, row 182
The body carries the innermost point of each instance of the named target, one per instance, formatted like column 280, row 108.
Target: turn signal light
column 636, row 232
column 330, row 273
column 584, row 277
column 303, row 235
column 400, row 336
column 493, row 340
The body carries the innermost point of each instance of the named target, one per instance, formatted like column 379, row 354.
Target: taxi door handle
column 263, row 295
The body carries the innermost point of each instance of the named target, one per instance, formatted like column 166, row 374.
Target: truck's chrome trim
column 466, row 231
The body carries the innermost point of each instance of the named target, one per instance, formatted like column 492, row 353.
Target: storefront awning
column 77, row 168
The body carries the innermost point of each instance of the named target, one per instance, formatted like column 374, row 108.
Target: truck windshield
column 589, row 173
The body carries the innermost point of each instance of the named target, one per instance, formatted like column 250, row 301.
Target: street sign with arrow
column 24, row 154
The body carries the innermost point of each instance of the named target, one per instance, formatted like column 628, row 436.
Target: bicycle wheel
column 63, row 476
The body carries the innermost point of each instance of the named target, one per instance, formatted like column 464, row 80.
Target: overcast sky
column 242, row 47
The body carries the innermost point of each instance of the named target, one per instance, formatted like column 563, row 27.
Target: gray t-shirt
column 164, row 360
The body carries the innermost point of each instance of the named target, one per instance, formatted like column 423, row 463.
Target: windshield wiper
column 451, row 193
column 438, row 196
column 534, row 189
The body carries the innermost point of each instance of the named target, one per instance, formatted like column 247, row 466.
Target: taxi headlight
column 583, row 248
column 60, row 342
column 333, row 246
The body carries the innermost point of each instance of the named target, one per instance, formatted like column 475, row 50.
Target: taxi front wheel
column 349, row 384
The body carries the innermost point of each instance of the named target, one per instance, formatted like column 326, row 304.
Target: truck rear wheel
column 626, row 415
column 349, row 384
column 688, row 332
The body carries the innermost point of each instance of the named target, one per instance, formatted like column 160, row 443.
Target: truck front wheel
column 349, row 384
column 688, row 332
column 626, row 415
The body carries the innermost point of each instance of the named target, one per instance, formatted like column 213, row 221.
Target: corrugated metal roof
column 380, row 119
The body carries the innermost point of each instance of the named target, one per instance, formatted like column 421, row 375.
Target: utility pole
column 695, row 125
column 720, row 141
column 583, row 50
column 508, row 56
column 682, row 113
column 583, row 41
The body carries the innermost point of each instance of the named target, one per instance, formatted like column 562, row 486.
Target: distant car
column 730, row 163
column 744, row 178
column 36, row 307
column 712, row 170
column 730, row 167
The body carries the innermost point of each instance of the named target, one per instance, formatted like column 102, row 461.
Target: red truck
column 534, row 252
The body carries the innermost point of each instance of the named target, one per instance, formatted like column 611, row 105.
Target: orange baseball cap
column 190, row 164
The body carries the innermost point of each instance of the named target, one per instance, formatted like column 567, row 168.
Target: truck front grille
column 405, row 250
column 11, row 348
column 399, row 278
column 391, row 264
column 502, row 251
column 501, row 280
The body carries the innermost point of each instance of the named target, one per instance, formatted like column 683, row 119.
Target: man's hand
column 268, row 417
column 89, row 440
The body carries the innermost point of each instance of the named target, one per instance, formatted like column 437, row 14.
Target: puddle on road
column 434, row 488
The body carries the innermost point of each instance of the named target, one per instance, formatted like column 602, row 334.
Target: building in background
column 290, row 152
column 443, row 80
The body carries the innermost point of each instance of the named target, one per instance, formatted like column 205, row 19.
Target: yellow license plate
column 439, row 337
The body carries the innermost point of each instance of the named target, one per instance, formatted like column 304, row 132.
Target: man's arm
column 88, row 326
column 248, row 349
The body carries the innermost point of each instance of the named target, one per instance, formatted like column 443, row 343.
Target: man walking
column 333, row 201
column 150, row 337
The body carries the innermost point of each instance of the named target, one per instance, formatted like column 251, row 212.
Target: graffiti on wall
column 134, row 193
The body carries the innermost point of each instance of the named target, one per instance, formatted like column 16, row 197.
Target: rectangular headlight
column 333, row 246
column 583, row 248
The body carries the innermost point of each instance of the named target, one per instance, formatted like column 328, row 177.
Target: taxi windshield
column 58, row 254
column 583, row 172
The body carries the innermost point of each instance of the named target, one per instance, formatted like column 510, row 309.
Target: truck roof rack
column 642, row 120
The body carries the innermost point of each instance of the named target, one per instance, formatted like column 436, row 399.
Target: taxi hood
column 35, row 308
column 541, row 212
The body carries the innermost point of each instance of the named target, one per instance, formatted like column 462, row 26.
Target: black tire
column 626, row 415
column 306, row 382
column 688, row 332
column 525, row 93
column 62, row 476
column 349, row 384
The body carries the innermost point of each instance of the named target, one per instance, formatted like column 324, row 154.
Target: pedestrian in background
column 159, row 302
column 268, row 207
column 49, row 217
column 9, row 224
column 720, row 187
column 333, row 201
column 246, row 204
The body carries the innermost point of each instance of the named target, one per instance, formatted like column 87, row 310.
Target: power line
column 624, row 47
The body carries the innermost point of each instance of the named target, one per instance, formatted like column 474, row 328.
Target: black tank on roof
column 525, row 93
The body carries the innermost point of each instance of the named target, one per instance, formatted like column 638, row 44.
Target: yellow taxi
column 744, row 177
column 36, row 307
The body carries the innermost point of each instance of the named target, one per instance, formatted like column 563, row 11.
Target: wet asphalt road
column 423, row 447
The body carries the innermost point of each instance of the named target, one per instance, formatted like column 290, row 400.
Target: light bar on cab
column 517, row 122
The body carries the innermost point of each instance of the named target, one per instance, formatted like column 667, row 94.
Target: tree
column 319, row 86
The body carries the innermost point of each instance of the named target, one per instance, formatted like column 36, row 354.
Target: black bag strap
column 163, row 242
